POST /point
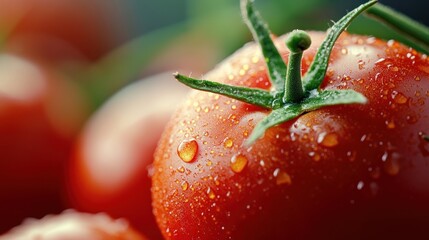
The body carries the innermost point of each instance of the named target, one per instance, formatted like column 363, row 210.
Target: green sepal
column 275, row 64
column 253, row 96
column 317, row 71
column 417, row 32
column 426, row 137
column 331, row 97
column 276, row 117
column 316, row 100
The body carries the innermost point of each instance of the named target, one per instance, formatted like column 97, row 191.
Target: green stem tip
column 297, row 42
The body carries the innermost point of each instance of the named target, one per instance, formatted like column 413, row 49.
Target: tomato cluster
column 324, row 137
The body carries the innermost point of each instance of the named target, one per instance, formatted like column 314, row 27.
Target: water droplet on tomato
column 282, row 177
column 210, row 193
column 315, row 156
column 390, row 124
column 328, row 139
column 391, row 163
column 185, row 185
column 360, row 185
column 399, row 98
column 238, row 163
column 228, row 142
column 187, row 150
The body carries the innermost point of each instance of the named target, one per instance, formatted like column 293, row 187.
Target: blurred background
column 62, row 61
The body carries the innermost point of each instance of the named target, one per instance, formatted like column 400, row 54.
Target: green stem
column 297, row 42
column 413, row 29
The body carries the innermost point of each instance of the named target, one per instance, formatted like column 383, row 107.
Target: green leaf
column 275, row 64
column 253, row 96
column 316, row 73
column 276, row 117
column 418, row 33
column 331, row 97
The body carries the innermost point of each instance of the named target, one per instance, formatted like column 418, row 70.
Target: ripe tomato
column 339, row 172
column 39, row 114
column 109, row 171
column 54, row 28
column 71, row 225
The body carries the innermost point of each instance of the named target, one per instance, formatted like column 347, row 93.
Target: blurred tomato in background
column 40, row 111
column 72, row 225
column 110, row 169
column 64, row 28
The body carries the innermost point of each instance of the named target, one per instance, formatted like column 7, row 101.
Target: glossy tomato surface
column 40, row 112
column 340, row 172
column 111, row 164
column 72, row 225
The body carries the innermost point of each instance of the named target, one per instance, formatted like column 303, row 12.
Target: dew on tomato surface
column 282, row 177
column 238, row 163
column 399, row 98
column 228, row 142
column 391, row 162
column 390, row 124
column 210, row 193
column 185, row 185
column 187, row 150
column 328, row 139
column 316, row 157
column 360, row 185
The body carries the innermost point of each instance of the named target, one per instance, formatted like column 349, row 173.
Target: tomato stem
column 297, row 42
column 415, row 31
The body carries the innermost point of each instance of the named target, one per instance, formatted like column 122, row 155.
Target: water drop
column 185, row 185
column 360, row 185
column 187, row 150
column 315, row 156
column 228, row 142
column 328, row 139
column 210, row 193
column 282, row 177
column 391, row 163
column 390, row 124
column 399, row 98
column 238, row 163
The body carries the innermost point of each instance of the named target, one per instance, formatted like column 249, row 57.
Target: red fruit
column 339, row 172
column 71, row 225
column 110, row 169
column 54, row 28
column 39, row 115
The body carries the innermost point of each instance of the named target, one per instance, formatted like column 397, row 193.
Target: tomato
column 357, row 171
column 63, row 29
column 40, row 112
column 109, row 170
column 74, row 225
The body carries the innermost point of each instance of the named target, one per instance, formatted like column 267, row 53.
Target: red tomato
column 340, row 172
column 109, row 172
column 39, row 114
column 55, row 28
column 71, row 225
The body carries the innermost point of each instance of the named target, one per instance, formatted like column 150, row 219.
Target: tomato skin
column 72, row 225
column 109, row 170
column 341, row 172
column 39, row 114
